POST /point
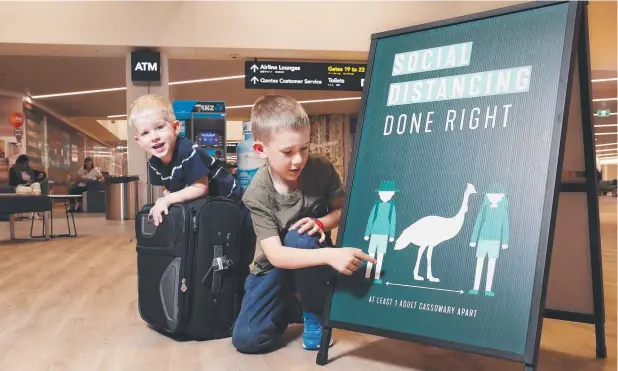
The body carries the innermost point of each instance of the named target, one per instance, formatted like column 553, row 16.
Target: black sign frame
column 146, row 59
column 576, row 44
column 590, row 187
column 345, row 76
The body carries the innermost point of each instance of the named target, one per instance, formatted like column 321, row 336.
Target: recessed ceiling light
column 242, row 106
column 607, row 144
column 207, row 80
column 77, row 93
column 304, row 102
column 83, row 92
column 604, row 99
column 300, row 101
column 605, row 80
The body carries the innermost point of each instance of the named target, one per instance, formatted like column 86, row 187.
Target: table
column 14, row 203
column 67, row 210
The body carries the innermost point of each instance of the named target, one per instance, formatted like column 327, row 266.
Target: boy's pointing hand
column 347, row 259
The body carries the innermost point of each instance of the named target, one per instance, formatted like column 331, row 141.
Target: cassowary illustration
column 430, row 231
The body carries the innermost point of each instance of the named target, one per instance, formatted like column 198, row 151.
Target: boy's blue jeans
column 269, row 304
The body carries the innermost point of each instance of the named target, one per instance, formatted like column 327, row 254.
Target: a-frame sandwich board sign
column 461, row 185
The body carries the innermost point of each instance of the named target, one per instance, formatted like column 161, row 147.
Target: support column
column 136, row 157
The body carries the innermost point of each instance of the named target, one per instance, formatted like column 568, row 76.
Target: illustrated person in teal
column 381, row 226
column 491, row 231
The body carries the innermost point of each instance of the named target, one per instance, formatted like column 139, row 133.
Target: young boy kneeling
column 293, row 261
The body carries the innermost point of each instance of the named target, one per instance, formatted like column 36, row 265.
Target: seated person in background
column 186, row 170
column 89, row 173
column 22, row 174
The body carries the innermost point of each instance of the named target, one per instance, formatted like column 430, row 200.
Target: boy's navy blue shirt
column 189, row 163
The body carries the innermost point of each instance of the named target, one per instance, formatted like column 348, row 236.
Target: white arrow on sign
column 254, row 68
column 254, row 79
column 422, row 287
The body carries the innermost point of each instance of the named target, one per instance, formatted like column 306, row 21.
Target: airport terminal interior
column 68, row 73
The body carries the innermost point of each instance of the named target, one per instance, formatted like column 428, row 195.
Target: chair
column 93, row 200
column 6, row 189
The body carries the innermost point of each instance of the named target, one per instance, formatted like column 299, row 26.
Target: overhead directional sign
column 603, row 112
column 304, row 76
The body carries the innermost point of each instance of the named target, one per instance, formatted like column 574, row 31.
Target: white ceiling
column 28, row 71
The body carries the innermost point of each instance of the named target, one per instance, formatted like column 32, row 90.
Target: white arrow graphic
column 422, row 287
column 254, row 79
column 254, row 68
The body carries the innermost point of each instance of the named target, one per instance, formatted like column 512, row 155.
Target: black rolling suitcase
column 191, row 269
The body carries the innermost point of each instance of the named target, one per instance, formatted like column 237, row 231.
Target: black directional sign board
column 304, row 76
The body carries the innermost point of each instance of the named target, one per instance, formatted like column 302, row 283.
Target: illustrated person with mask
column 490, row 234
column 381, row 226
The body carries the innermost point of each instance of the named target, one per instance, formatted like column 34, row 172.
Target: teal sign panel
column 449, row 183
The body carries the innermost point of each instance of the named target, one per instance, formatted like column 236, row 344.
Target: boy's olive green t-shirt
column 273, row 213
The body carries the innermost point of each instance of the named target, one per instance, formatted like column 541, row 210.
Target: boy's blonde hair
column 149, row 108
column 271, row 113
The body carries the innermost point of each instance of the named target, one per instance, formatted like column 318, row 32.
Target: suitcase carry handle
column 148, row 228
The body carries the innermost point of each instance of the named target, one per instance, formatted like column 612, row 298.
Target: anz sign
column 145, row 67
column 209, row 107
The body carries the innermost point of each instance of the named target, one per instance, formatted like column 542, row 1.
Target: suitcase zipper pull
column 183, row 286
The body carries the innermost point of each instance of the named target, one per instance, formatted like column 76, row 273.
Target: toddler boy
column 186, row 170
